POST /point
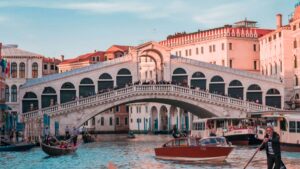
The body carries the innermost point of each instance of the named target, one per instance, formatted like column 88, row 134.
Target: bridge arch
column 49, row 97
column 30, row 102
column 236, row 89
column 86, row 88
column 198, row 80
column 273, row 98
column 123, row 78
column 67, row 92
column 154, row 118
column 163, row 118
column 217, row 85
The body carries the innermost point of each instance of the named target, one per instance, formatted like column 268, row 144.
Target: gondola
column 57, row 151
column 17, row 147
column 87, row 138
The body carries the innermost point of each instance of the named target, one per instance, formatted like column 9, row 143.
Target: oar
column 253, row 155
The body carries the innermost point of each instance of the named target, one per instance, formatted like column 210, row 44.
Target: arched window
column 67, row 92
column 105, row 82
column 217, row 85
column 14, row 93
column 273, row 98
column 29, row 102
column 236, row 89
column 14, row 70
column 254, row 94
column 22, row 70
column 180, row 77
column 198, row 80
column 35, row 68
column 124, row 78
column 297, row 96
column 86, row 87
column 49, row 97
column 7, row 93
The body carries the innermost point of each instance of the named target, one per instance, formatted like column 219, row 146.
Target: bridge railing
column 152, row 89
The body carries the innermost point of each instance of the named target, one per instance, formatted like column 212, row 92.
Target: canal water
column 126, row 153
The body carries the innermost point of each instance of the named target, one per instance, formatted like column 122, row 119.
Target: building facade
column 23, row 65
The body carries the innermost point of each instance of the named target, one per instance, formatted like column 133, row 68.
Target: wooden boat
column 193, row 149
column 285, row 123
column 17, row 147
column 238, row 131
column 87, row 138
column 57, row 151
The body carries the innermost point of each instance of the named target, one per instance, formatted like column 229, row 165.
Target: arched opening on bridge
column 49, row 97
column 254, row 94
column 163, row 123
column 105, row 82
column 147, row 69
column 217, row 85
column 273, row 98
column 198, row 81
column 124, row 78
column 174, row 120
column 180, row 77
column 86, row 88
column 236, row 89
column 30, row 102
column 67, row 92
column 154, row 119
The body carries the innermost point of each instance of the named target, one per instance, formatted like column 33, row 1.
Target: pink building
column 234, row 46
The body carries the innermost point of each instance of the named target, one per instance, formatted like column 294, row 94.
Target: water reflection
column 130, row 153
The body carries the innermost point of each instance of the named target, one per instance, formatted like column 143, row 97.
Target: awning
column 4, row 107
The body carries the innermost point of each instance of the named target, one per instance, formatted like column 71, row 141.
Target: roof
column 115, row 48
column 13, row 50
column 51, row 60
column 84, row 57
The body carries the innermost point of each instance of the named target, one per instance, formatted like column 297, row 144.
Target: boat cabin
column 191, row 141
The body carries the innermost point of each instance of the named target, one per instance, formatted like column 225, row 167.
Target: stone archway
column 174, row 119
column 163, row 119
column 154, row 119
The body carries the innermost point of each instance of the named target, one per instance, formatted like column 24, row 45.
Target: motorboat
column 195, row 149
column 238, row 131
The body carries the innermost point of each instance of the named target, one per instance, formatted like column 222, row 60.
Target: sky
column 74, row 27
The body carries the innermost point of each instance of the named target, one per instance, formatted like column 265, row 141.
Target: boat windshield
column 213, row 141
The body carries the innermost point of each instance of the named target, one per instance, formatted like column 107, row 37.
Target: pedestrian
column 67, row 132
column 75, row 135
column 271, row 143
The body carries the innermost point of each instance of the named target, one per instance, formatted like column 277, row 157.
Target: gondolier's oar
column 253, row 155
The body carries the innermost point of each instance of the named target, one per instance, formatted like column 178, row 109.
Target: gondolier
column 271, row 143
column 75, row 135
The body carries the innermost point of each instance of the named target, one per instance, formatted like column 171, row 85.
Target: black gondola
column 57, row 151
column 17, row 147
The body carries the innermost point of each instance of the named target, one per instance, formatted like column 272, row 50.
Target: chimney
column 62, row 57
column 279, row 21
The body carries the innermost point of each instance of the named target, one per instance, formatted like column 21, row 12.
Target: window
column 254, row 64
column 14, row 70
column 292, row 126
column 294, row 27
column 45, row 67
column 105, row 58
column 279, row 34
column 295, row 61
column 230, row 46
column 280, row 62
column 202, row 50
column 110, row 121
column 131, row 121
column 102, row 121
column 176, row 53
column 117, row 108
column 14, row 93
column 127, row 109
column 214, row 48
column 296, row 80
column 52, row 67
column 223, row 62
column 179, row 53
column 210, row 48
column 126, row 121
column 22, row 70
column 230, row 63
column 98, row 59
column 223, row 46
column 275, row 67
column 150, row 74
column 146, row 75
column 270, row 39
column 274, row 36
column 7, row 93
column 298, row 126
column 254, row 47
column 93, row 121
column 190, row 52
column 197, row 51
column 186, row 52
column 117, row 121
column 146, row 108
column 34, row 70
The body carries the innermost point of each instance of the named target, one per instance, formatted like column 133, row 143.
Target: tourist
column 271, row 143
column 75, row 135
column 67, row 132
column 212, row 133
